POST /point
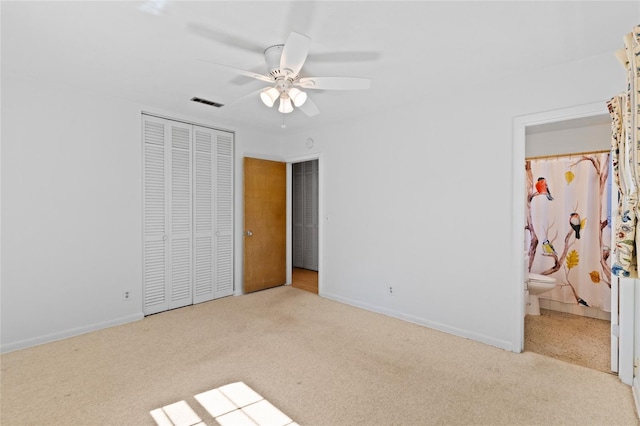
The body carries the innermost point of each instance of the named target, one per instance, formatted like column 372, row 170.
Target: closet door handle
column 248, row 233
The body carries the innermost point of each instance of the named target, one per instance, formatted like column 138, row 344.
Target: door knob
column 248, row 233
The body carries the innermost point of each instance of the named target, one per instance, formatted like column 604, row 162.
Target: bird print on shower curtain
column 547, row 247
column 542, row 188
column 574, row 221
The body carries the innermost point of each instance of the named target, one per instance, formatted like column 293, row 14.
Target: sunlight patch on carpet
column 230, row 405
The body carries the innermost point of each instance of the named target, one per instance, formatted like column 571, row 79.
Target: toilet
column 536, row 285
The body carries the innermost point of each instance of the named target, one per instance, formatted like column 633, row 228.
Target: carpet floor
column 319, row 361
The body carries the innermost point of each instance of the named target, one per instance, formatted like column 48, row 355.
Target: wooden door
column 265, row 219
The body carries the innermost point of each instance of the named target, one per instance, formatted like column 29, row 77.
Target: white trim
column 626, row 327
column 289, row 219
column 48, row 338
column 186, row 121
column 303, row 158
column 520, row 124
column 635, row 390
column 615, row 323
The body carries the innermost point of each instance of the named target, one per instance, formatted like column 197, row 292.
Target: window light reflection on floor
column 234, row 404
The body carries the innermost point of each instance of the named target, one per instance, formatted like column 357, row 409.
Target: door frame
column 520, row 123
column 321, row 218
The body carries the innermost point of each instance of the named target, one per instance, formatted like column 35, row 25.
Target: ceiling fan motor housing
column 272, row 57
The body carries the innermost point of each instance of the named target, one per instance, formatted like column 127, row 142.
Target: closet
column 305, row 215
column 187, row 214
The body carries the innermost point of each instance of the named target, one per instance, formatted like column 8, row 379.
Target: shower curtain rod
column 571, row 154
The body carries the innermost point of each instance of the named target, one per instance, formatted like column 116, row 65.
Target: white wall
column 420, row 198
column 567, row 141
column 71, row 210
column 71, row 205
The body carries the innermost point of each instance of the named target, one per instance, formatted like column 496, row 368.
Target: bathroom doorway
column 566, row 328
column 305, row 220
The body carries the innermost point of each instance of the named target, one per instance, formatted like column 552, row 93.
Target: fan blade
column 294, row 53
column 225, row 38
column 334, row 83
column 241, row 72
column 309, row 108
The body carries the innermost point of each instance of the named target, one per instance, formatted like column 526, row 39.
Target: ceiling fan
column 284, row 62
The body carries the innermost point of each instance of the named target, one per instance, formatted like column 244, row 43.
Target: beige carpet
column 572, row 338
column 319, row 361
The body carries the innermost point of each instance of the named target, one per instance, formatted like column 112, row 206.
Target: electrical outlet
column 126, row 295
column 390, row 290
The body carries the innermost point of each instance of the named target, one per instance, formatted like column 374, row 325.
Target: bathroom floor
column 573, row 338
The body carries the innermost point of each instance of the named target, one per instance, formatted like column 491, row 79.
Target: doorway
column 573, row 322
column 529, row 131
column 305, row 220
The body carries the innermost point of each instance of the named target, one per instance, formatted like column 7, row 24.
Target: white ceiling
column 412, row 51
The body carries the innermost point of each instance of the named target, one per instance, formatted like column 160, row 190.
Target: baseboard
column 502, row 344
column 575, row 309
column 47, row 338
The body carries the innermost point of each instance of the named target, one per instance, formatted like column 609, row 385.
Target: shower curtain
column 568, row 226
column 625, row 136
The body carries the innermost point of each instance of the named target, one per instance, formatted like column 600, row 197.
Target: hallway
column 305, row 279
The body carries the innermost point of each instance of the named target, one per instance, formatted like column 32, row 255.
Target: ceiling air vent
column 207, row 102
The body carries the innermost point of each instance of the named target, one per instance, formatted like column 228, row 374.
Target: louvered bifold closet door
column 213, row 248
column 180, row 216
column 188, row 214
column 310, row 215
column 155, row 223
column 223, row 214
column 204, row 146
column 298, row 209
column 167, row 281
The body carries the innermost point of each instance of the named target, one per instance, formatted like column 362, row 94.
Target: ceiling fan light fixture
column 285, row 104
column 297, row 96
column 284, row 62
column 269, row 96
